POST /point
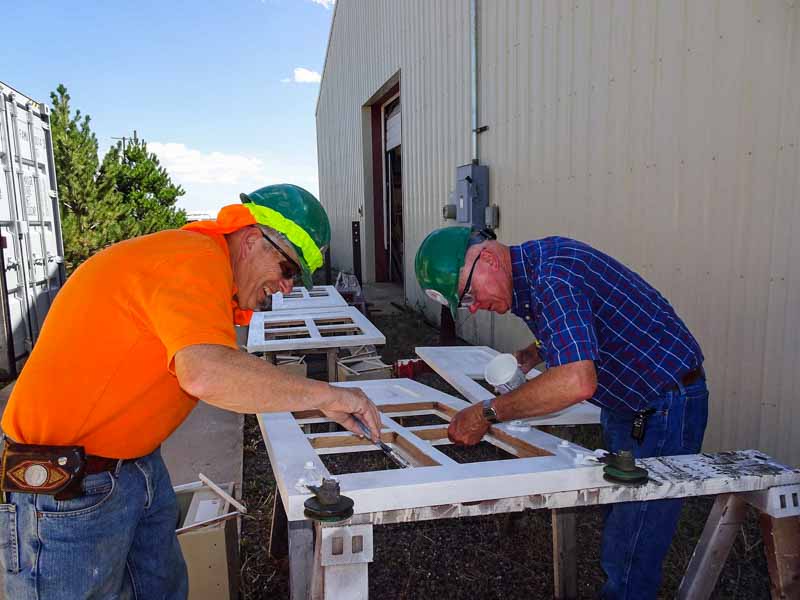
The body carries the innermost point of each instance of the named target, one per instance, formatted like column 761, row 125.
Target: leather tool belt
column 33, row 469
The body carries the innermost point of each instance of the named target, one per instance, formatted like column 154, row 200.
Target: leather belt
column 101, row 464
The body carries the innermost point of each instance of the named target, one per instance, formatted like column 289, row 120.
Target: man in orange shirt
column 138, row 334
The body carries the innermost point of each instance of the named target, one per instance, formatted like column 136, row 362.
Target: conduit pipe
column 473, row 43
column 473, row 51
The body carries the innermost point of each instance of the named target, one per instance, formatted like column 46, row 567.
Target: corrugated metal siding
column 665, row 133
column 428, row 44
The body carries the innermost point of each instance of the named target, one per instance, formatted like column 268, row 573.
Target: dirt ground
column 502, row 556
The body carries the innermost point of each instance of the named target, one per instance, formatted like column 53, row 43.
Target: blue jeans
column 637, row 535
column 116, row 541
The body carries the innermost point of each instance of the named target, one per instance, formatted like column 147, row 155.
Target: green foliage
column 75, row 154
column 129, row 195
column 139, row 194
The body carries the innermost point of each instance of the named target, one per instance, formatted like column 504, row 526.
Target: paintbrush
column 387, row 449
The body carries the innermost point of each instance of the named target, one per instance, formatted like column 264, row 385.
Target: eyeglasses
column 289, row 267
column 466, row 299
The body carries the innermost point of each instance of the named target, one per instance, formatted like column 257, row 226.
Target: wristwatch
column 489, row 413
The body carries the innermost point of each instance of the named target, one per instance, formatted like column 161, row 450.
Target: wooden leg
column 712, row 549
column 333, row 371
column 341, row 562
column 565, row 560
column 347, row 581
column 279, row 530
column 301, row 559
column 782, row 547
column 565, row 564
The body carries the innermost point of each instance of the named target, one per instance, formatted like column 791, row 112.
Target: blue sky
column 223, row 92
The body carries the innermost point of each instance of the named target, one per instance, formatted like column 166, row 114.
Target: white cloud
column 186, row 165
column 214, row 179
column 302, row 75
column 325, row 3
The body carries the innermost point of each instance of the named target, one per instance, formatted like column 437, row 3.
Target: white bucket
column 504, row 373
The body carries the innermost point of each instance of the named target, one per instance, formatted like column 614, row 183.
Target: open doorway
column 393, row 171
column 387, row 177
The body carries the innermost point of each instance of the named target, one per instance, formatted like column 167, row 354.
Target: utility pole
column 124, row 139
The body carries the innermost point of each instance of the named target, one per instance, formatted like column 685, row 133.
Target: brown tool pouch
column 53, row 470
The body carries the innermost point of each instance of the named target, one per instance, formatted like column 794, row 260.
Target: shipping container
column 31, row 246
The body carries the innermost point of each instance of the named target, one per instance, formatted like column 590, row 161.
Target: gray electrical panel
column 472, row 194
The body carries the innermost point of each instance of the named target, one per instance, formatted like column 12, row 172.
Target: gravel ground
column 500, row 556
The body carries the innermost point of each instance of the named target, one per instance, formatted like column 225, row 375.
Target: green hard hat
column 298, row 215
column 439, row 261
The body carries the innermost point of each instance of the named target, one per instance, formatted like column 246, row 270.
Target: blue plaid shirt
column 583, row 305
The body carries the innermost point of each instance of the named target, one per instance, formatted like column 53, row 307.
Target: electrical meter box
column 472, row 194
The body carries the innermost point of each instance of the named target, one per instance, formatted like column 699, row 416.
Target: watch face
column 488, row 412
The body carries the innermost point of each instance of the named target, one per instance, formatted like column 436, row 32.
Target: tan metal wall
column 664, row 133
column 373, row 40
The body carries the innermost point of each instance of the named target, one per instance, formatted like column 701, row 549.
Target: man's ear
column 490, row 257
column 250, row 238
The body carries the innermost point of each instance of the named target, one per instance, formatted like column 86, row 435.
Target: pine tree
column 139, row 194
column 129, row 195
column 76, row 161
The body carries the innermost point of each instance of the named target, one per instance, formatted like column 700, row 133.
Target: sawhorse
column 330, row 561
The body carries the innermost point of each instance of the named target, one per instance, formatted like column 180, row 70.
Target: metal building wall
column 665, row 133
column 371, row 41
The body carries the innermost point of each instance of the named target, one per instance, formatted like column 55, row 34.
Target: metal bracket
column 346, row 545
column 778, row 502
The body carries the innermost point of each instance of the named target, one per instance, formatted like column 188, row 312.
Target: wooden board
column 461, row 366
column 319, row 298
column 293, row 330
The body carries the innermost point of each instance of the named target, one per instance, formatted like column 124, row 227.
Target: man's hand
column 349, row 402
column 527, row 358
column 468, row 427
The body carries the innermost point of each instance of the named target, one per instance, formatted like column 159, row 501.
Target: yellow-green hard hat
column 298, row 215
column 439, row 261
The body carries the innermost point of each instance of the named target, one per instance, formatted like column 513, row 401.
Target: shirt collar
column 521, row 285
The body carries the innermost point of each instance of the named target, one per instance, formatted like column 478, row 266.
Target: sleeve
column 565, row 323
column 191, row 303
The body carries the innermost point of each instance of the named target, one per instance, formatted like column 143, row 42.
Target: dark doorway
column 387, row 165
column 394, row 191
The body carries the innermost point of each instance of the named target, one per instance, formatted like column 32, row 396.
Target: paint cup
column 504, row 374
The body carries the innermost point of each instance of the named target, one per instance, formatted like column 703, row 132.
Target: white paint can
column 503, row 373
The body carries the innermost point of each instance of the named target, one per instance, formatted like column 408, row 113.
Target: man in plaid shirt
column 606, row 336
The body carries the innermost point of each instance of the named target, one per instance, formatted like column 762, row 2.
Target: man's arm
column 553, row 390
column 243, row 383
column 527, row 358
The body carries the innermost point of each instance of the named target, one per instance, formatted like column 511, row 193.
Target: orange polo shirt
column 101, row 374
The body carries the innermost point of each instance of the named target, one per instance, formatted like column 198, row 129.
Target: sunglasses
column 466, row 299
column 289, row 268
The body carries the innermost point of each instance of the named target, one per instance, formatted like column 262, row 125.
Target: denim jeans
column 117, row 541
column 637, row 535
